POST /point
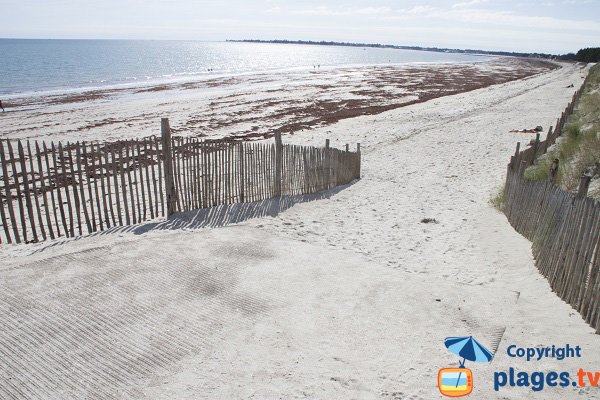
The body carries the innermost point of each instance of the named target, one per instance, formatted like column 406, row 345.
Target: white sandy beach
column 348, row 296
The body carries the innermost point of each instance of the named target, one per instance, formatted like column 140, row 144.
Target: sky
column 552, row 26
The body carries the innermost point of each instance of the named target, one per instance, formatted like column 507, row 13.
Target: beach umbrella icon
column 469, row 349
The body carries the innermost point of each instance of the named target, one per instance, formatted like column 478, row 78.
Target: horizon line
column 295, row 41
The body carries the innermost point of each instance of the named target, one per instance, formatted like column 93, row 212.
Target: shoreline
column 189, row 78
column 251, row 106
column 192, row 67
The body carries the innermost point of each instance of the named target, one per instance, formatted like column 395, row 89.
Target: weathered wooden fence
column 563, row 227
column 54, row 190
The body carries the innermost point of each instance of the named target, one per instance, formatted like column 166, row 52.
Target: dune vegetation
column 578, row 150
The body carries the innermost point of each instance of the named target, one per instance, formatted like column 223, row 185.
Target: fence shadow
column 214, row 217
column 228, row 214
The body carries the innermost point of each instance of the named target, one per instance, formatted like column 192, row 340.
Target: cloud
column 468, row 3
column 327, row 11
column 468, row 11
column 494, row 18
column 421, row 10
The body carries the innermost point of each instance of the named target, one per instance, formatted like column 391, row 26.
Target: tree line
column 589, row 54
column 583, row 55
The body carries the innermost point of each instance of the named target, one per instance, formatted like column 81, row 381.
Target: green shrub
column 577, row 149
column 579, row 146
column 498, row 200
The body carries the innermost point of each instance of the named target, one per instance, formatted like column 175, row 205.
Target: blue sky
column 554, row 26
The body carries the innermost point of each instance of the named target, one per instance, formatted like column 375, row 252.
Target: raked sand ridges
column 133, row 320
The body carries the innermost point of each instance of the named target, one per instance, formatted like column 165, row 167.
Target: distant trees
column 568, row 57
column 389, row 46
column 583, row 55
column 590, row 54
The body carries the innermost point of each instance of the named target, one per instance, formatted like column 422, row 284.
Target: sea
column 39, row 66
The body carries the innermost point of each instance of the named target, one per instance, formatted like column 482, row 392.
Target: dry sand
column 348, row 296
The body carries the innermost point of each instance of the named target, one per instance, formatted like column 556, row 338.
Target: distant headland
column 567, row 57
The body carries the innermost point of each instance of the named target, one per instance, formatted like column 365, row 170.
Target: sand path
column 349, row 296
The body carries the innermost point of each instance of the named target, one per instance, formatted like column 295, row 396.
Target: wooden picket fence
column 563, row 227
column 66, row 190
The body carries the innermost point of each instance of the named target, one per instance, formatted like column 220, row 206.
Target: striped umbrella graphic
column 469, row 349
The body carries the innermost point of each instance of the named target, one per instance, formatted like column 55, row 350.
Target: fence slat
column 26, row 191
column 122, row 172
column 90, row 172
column 52, row 187
column 35, row 191
column 132, row 191
column 143, row 211
column 73, row 185
column 199, row 173
column 8, row 195
column 92, row 185
column 61, row 184
column 43, row 175
column 18, row 190
column 82, row 188
column 171, row 194
column 98, row 173
column 148, row 181
column 110, row 164
column 3, row 218
column 159, row 165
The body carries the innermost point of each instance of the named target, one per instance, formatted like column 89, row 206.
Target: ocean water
column 55, row 65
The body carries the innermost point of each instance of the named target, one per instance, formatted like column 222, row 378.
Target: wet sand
column 250, row 106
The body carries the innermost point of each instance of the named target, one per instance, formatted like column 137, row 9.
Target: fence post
column 242, row 172
column 171, row 195
column 347, row 147
column 278, row 162
column 522, row 168
column 516, row 157
column 548, row 139
column 327, row 164
column 553, row 171
column 584, row 185
column 536, row 145
column 359, row 158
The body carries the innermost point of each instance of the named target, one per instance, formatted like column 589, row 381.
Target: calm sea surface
column 48, row 65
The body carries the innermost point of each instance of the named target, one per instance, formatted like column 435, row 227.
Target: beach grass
column 498, row 200
column 578, row 149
